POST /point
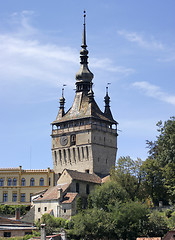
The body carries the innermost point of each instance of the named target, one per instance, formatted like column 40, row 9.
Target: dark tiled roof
column 69, row 197
column 81, row 108
column 87, row 177
column 52, row 193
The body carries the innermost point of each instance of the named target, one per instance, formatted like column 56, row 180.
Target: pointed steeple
column 84, row 76
column 62, row 102
column 107, row 111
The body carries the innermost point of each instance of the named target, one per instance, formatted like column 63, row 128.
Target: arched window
column 1, row 182
column 14, row 182
column 23, row 182
column 9, row 182
column 32, row 182
column 41, row 182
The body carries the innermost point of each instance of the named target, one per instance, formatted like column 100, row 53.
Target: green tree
column 162, row 152
column 106, row 196
column 130, row 220
column 153, row 181
column 157, row 225
column 128, row 175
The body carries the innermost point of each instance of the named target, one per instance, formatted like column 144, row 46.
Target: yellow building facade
column 18, row 185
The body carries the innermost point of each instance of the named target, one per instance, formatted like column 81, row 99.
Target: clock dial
column 63, row 140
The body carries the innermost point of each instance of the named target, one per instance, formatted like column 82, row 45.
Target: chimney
column 43, row 232
column 17, row 214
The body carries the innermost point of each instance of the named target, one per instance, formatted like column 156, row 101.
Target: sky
column 131, row 45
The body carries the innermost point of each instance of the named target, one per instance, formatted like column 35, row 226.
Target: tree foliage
column 162, row 155
column 106, row 196
column 128, row 175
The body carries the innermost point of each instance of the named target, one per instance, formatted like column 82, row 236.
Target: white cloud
column 108, row 65
column 155, row 92
column 25, row 57
column 135, row 37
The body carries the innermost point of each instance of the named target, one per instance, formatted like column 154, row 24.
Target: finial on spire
column 63, row 90
column 84, row 32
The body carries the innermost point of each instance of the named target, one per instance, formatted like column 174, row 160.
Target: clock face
column 63, row 140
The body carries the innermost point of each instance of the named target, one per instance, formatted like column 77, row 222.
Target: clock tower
column 84, row 138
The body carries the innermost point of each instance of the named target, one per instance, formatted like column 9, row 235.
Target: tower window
column 60, row 155
column 73, row 139
column 9, row 182
column 78, row 150
column 55, row 153
column 32, row 182
column 77, row 187
column 82, row 149
column 14, row 181
column 41, row 182
column 69, row 155
column 65, row 159
column 87, row 151
column 49, row 181
column 74, row 154
column 23, row 182
column 106, row 160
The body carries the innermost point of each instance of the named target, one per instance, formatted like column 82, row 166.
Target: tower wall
column 88, row 148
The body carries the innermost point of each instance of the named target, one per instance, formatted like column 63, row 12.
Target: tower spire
column 62, row 102
column 84, row 76
column 107, row 111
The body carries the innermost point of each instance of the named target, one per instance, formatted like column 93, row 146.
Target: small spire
column 107, row 111
column 62, row 102
column 107, row 98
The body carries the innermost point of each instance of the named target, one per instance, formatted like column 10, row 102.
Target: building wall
column 58, row 209
column 104, row 150
column 19, row 190
column 94, row 149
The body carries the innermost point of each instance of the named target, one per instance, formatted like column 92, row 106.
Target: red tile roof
column 52, row 192
column 82, row 176
column 69, row 197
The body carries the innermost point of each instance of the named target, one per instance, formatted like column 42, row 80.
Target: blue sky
column 131, row 45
